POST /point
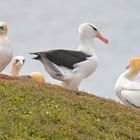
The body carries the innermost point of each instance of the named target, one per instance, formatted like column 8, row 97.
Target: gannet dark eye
column 93, row 27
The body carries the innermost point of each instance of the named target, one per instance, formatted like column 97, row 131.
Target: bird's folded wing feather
column 133, row 86
column 52, row 66
column 65, row 58
column 133, row 97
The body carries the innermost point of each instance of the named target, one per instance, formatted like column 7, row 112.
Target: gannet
column 6, row 51
column 72, row 66
column 125, row 88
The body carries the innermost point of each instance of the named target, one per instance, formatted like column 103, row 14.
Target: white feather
column 6, row 52
column 128, row 90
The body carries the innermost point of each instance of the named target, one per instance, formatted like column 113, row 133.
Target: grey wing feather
column 51, row 67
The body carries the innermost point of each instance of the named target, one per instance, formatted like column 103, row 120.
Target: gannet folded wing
column 132, row 97
column 133, row 86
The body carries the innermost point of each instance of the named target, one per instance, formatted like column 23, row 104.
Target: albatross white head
column 87, row 33
column 18, row 62
column 3, row 28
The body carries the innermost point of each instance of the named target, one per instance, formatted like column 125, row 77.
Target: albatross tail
column 37, row 57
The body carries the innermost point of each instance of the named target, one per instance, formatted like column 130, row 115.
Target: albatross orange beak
column 98, row 35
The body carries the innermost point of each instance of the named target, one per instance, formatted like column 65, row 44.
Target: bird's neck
column 130, row 74
column 15, row 70
column 3, row 34
column 3, row 38
column 87, row 45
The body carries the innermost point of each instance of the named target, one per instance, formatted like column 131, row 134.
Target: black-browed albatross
column 72, row 66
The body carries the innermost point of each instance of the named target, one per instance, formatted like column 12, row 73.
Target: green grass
column 45, row 112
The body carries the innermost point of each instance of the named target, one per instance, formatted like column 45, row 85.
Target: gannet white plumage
column 71, row 66
column 125, row 88
column 6, row 51
column 17, row 63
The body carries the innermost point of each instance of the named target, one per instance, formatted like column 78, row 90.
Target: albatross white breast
column 126, row 89
column 6, row 52
column 71, row 66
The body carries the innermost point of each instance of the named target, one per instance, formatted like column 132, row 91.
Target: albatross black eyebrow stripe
column 93, row 27
column 1, row 27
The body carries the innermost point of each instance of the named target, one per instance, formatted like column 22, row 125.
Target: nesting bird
column 72, row 66
column 17, row 63
column 126, row 89
column 6, row 51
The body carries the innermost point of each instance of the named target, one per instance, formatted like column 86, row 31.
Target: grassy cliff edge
column 41, row 112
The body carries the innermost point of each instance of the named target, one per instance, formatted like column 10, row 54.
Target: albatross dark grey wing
column 52, row 69
column 66, row 58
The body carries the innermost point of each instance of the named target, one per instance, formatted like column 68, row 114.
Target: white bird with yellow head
column 126, row 89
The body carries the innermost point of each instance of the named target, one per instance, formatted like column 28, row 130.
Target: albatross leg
column 74, row 84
